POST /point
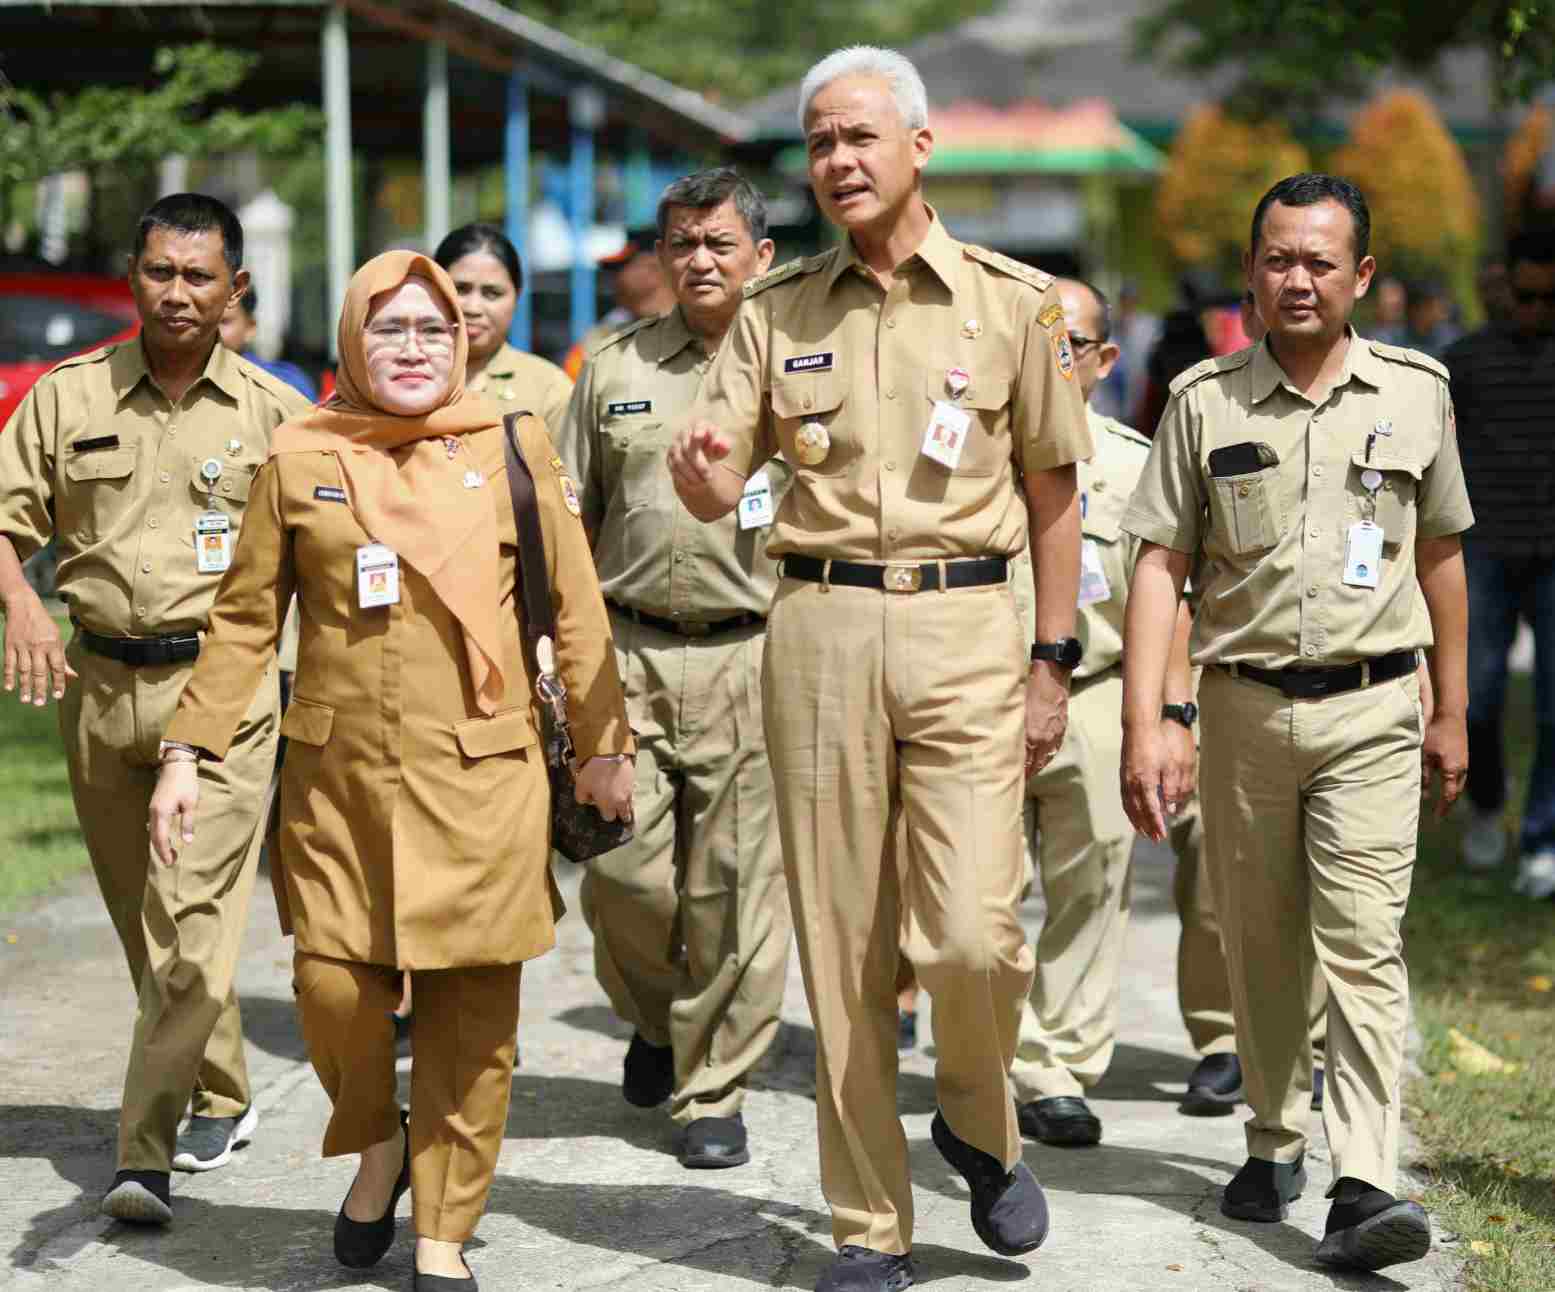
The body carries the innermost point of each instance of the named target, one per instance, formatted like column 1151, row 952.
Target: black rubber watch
column 1065, row 652
column 1187, row 714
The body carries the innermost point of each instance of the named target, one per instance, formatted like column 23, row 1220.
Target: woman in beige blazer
column 415, row 805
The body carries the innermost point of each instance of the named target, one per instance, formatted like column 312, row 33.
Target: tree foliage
column 736, row 50
column 1218, row 168
column 1425, row 214
column 103, row 125
column 1295, row 56
column 1520, row 180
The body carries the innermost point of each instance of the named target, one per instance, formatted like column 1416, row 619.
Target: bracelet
column 170, row 747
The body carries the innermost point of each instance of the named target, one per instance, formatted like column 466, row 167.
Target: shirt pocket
column 308, row 722
column 102, row 489
column 986, row 400
column 503, row 733
column 813, row 397
column 634, row 448
column 1102, row 514
column 1245, row 511
column 228, row 493
column 1395, row 497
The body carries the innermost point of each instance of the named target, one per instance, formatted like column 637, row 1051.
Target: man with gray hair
column 690, row 919
column 924, row 391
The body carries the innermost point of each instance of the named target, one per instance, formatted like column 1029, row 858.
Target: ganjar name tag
column 946, row 436
column 377, row 576
column 1363, row 555
column 212, row 542
column 1093, row 578
column 756, row 501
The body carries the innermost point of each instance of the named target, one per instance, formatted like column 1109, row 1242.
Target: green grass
column 1482, row 960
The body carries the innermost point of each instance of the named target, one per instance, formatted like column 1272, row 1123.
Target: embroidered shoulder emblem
column 1051, row 314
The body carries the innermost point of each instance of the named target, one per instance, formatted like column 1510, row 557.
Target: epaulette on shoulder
column 1010, row 268
column 787, row 270
column 1414, row 358
column 100, row 355
column 1211, row 368
column 620, row 334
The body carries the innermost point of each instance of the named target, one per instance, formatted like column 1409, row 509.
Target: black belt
column 682, row 628
column 899, row 576
column 1314, row 683
column 142, row 652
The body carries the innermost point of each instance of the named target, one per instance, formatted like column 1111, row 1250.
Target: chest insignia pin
column 811, row 444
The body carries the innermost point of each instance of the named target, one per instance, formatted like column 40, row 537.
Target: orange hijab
column 416, row 504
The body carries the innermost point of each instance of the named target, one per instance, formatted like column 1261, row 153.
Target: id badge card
column 756, row 501
column 946, row 436
column 1363, row 555
column 212, row 542
column 377, row 576
column 1093, row 579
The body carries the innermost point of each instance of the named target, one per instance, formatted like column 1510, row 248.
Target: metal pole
column 586, row 111
column 436, row 166
column 516, row 164
column 339, row 220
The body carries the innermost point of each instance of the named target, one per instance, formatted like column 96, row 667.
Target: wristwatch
column 1065, row 652
column 1187, row 714
column 165, row 747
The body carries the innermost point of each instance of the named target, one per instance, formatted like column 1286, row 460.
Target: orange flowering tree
column 1520, row 165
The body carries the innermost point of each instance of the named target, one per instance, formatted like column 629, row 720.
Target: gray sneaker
column 1536, row 875
column 207, row 1142
column 1483, row 845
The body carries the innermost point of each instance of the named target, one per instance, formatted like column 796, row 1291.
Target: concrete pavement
column 588, row 1193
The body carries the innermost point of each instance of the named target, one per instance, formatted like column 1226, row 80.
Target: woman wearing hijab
column 489, row 278
column 415, row 804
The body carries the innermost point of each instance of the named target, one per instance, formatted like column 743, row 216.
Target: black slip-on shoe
column 713, row 1142
column 861, row 1269
column 442, row 1282
column 648, row 1074
column 1063, row 1120
column 362, row 1243
column 1263, row 1190
column 140, row 1197
column 208, row 1142
column 1373, row 1229
column 1317, row 1090
column 1009, row 1211
column 1214, row 1086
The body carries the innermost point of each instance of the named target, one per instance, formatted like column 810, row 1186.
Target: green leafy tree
column 1294, row 56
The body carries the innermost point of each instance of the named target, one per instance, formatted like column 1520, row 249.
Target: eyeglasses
column 435, row 338
column 1082, row 342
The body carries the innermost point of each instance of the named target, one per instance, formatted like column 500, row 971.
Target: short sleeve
column 1049, row 425
column 1442, row 504
column 734, row 397
column 575, row 444
column 27, row 470
column 1168, row 503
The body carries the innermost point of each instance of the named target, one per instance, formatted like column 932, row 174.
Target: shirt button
column 1311, row 592
column 164, row 477
column 145, row 567
column 153, row 522
column 1310, row 650
column 890, row 394
column 140, row 611
column 890, row 466
column 1314, row 533
column 808, row 402
column 894, row 534
column 1242, row 491
column 226, row 486
column 1317, row 471
column 891, row 322
column 679, row 557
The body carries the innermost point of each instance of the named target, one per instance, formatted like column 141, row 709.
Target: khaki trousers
column 181, row 926
column 690, row 919
column 878, row 705
column 461, row 1074
column 1311, row 809
column 1082, row 840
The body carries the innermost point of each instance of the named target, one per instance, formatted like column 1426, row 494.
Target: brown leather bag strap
column 533, row 578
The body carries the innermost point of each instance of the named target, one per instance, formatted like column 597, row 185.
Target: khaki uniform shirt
column 98, row 458
column 1273, row 541
column 819, row 342
column 517, row 382
column 652, row 555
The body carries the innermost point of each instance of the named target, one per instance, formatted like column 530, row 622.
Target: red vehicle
column 47, row 317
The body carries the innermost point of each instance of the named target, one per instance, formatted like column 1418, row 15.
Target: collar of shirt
column 503, row 364
column 1359, row 363
column 672, row 335
column 128, row 368
column 938, row 250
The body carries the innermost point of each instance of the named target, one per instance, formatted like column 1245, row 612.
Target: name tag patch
column 328, row 493
column 629, row 408
column 809, row 362
column 96, row 442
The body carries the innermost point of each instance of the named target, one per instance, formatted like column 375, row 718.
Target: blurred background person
column 238, row 327
column 1388, row 315
column 641, row 289
column 1428, row 325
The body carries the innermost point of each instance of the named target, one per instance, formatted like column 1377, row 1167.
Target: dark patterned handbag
column 578, row 831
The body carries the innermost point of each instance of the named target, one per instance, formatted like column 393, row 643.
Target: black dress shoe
column 1214, row 1086
column 1009, row 1211
column 860, row 1269
column 712, row 1142
column 140, row 1197
column 1317, row 1090
column 1064, row 1120
column 443, row 1283
column 361, row 1243
column 648, row 1075
column 1368, row 1229
column 1263, row 1190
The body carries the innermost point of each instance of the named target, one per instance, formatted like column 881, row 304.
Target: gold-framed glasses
column 433, row 337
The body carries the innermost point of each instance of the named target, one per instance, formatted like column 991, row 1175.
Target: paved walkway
column 589, row 1194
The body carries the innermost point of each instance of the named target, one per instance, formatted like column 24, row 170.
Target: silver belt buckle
column 903, row 578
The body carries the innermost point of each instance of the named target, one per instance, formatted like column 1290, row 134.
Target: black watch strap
column 1066, row 652
column 1187, row 714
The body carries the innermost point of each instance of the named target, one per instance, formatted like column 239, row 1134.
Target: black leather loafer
column 361, row 1243
column 443, row 1283
column 1263, row 1190
column 713, row 1142
column 648, row 1075
column 1009, row 1211
column 1063, row 1120
column 1373, row 1229
column 860, row 1269
column 1214, row 1086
